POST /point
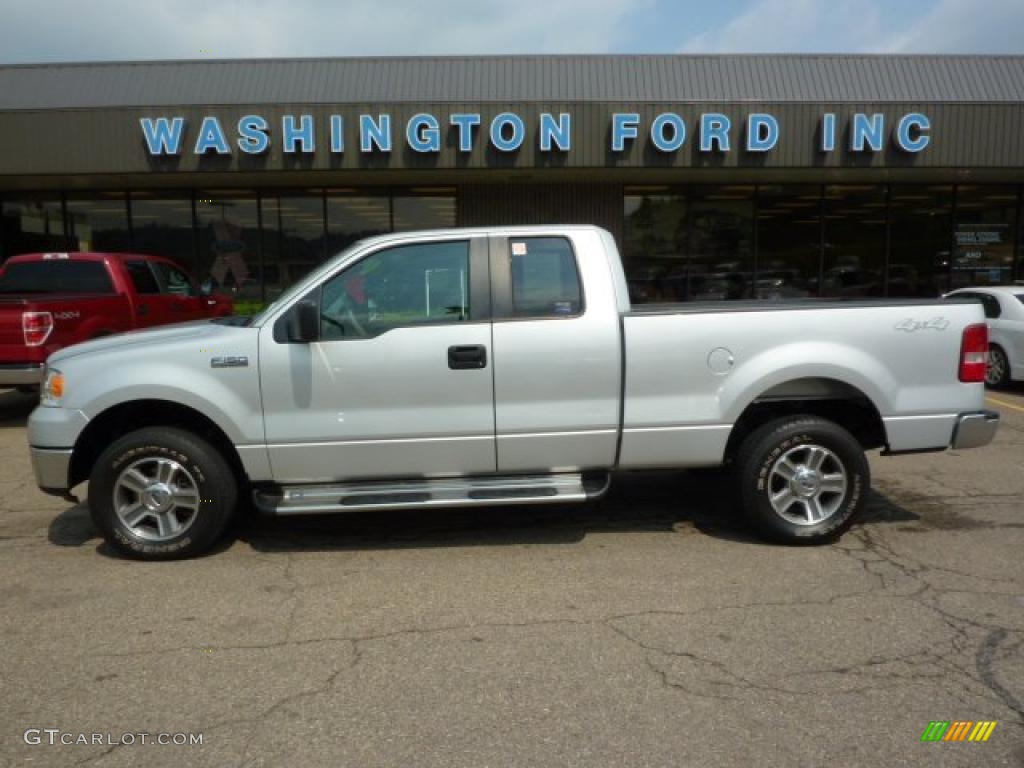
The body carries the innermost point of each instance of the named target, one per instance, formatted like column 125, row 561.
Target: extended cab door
column 557, row 353
column 399, row 383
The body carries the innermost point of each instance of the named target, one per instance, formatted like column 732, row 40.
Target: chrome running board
column 443, row 492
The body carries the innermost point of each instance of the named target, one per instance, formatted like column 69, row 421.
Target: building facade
column 721, row 177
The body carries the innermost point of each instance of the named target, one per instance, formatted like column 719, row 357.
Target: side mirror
column 304, row 322
column 206, row 288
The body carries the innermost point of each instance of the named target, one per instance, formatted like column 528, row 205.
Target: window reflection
column 788, row 241
column 293, row 238
column 986, row 218
column 432, row 209
column 228, row 248
column 32, row 223
column 655, row 247
column 721, row 243
column 351, row 217
column 162, row 225
column 98, row 223
column 920, row 218
column 854, row 264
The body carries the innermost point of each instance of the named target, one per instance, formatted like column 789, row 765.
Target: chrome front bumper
column 50, row 466
column 974, row 430
column 21, row 375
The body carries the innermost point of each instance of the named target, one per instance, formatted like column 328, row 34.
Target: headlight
column 53, row 388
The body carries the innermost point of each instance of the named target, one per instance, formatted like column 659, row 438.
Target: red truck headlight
column 974, row 354
column 37, row 327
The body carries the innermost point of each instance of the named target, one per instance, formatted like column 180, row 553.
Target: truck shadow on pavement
column 15, row 407
column 693, row 503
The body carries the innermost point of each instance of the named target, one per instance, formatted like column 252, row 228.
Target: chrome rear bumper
column 974, row 430
column 51, row 466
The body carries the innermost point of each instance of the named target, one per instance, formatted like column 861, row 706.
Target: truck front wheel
column 161, row 493
column 802, row 479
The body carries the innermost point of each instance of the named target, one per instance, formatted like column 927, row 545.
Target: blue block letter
column 762, row 132
column 867, row 130
column 558, row 133
column 912, row 132
column 464, row 123
column 677, row 135
column 513, row 142
column 303, row 134
column 163, row 137
column 714, row 128
column 337, row 134
column 252, row 135
column 423, row 133
column 828, row 132
column 211, row 136
column 624, row 126
column 371, row 133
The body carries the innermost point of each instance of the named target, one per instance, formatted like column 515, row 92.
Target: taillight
column 974, row 354
column 37, row 327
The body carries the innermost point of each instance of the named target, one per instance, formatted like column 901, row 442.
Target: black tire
column 762, row 451
column 201, row 466
column 997, row 373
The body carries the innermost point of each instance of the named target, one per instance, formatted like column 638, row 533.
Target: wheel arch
column 832, row 399
column 129, row 416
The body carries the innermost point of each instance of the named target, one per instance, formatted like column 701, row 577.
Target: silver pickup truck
column 499, row 366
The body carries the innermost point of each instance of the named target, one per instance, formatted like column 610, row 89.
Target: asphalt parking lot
column 646, row 629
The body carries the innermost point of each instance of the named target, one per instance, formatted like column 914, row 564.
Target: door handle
column 468, row 357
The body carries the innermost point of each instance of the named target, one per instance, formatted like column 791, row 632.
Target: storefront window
column 788, row 241
column 721, row 243
column 854, row 242
column 98, row 222
column 920, row 218
column 162, row 226
column 293, row 238
column 430, row 209
column 229, row 258
column 31, row 224
column 655, row 246
column 986, row 218
column 352, row 217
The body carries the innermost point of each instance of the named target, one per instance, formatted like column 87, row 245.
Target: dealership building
column 720, row 176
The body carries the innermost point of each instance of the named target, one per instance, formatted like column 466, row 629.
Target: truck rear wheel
column 161, row 493
column 802, row 479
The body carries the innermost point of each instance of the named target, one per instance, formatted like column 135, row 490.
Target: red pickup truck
column 52, row 300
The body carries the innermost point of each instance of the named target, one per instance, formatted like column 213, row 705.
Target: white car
column 1004, row 308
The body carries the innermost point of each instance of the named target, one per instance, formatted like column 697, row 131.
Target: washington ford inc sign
column 507, row 132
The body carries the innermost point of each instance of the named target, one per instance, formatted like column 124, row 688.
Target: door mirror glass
column 304, row 322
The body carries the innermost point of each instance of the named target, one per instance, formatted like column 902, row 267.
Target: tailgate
column 12, row 342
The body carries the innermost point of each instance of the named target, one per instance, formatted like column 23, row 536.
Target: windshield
column 55, row 277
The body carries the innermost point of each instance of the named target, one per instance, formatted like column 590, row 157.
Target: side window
column 425, row 283
column 142, row 277
column 545, row 280
column 175, row 281
column 991, row 304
